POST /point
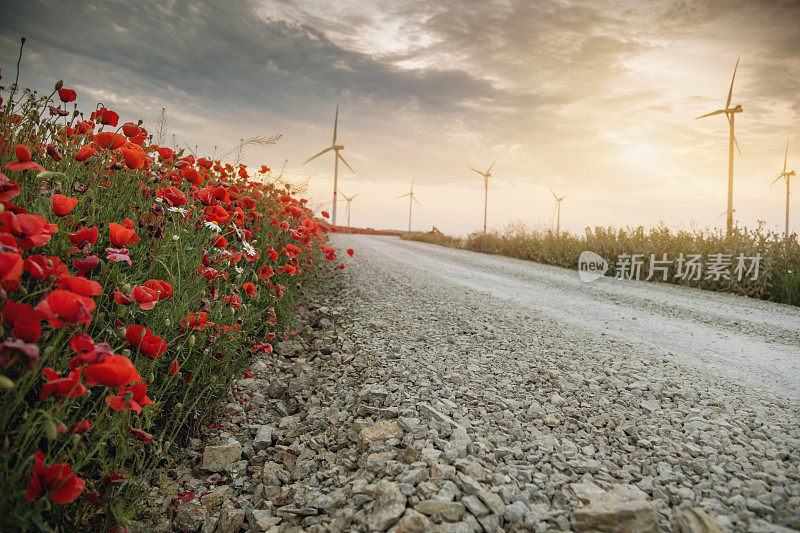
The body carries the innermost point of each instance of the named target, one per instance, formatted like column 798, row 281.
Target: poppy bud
column 151, row 377
column 2, row 208
column 126, row 288
column 50, row 430
column 126, row 352
column 100, row 316
column 6, row 383
column 167, row 322
column 192, row 341
column 48, row 351
column 59, row 84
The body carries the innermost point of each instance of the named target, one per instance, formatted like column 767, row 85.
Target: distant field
column 778, row 277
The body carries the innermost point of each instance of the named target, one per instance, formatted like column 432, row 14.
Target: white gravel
column 751, row 343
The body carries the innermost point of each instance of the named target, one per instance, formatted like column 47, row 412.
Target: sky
column 594, row 99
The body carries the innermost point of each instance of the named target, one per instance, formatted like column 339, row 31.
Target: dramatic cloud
column 597, row 99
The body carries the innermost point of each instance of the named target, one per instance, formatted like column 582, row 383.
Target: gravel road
column 441, row 390
column 747, row 342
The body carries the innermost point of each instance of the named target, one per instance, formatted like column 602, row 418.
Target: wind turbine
column 486, row 175
column 558, row 207
column 730, row 114
column 786, row 175
column 336, row 148
column 411, row 198
column 349, row 199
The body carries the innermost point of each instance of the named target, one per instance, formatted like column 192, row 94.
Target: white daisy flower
column 213, row 226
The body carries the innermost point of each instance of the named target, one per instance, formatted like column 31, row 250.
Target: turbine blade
column 416, row 201
column 730, row 93
column 737, row 145
column 356, row 194
column 786, row 156
column 492, row 166
column 345, row 162
column 335, row 124
column 403, row 195
column 553, row 193
column 775, row 180
column 717, row 112
column 316, row 156
column 478, row 171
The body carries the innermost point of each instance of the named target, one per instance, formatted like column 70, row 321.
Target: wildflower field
column 135, row 282
column 777, row 277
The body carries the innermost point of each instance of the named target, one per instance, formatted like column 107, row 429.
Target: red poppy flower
column 192, row 175
column 84, row 235
column 265, row 272
column 108, row 139
column 150, row 345
column 144, row 296
column 219, row 241
column 105, row 116
column 25, row 321
column 325, row 214
column 31, row 230
column 85, row 153
column 174, row 368
column 140, row 434
column 121, row 236
column 67, row 95
column 52, row 151
column 63, row 205
column 114, row 370
column 350, row 252
column 195, row 321
column 139, row 391
column 86, row 264
column 205, row 163
column 272, row 254
column 341, row 267
column 57, row 481
column 8, row 189
column 120, row 298
column 10, row 266
column 80, row 285
column 130, row 129
column 173, row 196
column 118, row 255
column 81, row 427
column 249, row 288
column 134, row 159
column 68, row 387
column 23, row 161
column 64, row 307
column 45, row 268
column 165, row 154
column 163, row 288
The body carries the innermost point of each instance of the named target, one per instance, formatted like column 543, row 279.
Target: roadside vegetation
column 777, row 279
column 136, row 281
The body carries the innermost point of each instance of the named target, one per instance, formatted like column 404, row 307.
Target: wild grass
column 779, row 269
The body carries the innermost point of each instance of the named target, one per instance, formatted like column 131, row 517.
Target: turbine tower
column 336, row 148
column 730, row 114
column 411, row 198
column 786, row 175
column 558, row 208
column 349, row 199
column 486, row 175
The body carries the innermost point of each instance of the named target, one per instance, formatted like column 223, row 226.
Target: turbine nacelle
column 338, row 147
